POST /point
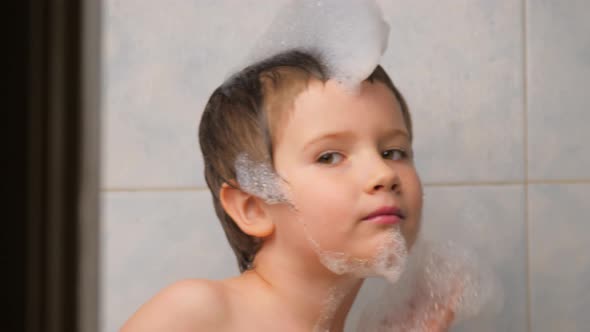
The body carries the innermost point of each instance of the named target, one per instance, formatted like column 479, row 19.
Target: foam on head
column 347, row 36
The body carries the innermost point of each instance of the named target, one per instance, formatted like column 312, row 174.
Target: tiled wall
column 498, row 92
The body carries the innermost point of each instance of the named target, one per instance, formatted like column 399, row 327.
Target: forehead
column 328, row 107
column 280, row 88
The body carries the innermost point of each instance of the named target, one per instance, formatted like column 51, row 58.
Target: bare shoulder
column 187, row 305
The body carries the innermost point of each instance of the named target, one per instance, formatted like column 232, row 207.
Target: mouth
column 387, row 215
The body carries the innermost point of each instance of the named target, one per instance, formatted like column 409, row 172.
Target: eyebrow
column 346, row 135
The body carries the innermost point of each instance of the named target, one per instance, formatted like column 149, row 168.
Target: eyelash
column 322, row 158
column 404, row 154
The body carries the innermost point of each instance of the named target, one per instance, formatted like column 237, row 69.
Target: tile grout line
column 563, row 181
column 425, row 184
column 528, row 241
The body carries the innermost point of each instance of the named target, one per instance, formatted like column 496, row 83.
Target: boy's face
column 344, row 157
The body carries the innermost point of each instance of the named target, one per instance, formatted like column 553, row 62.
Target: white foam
column 259, row 179
column 440, row 278
column 331, row 304
column 388, row 262
column 349, row 36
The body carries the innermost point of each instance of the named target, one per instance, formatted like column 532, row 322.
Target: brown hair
column 239, row 118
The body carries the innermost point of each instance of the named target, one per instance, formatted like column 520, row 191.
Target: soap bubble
column 347, row 36
column 259, row 179
column 388, row 261
column 443, row 280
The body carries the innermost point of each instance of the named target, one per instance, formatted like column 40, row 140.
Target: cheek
column 325, row 211
column 288, row 229
column 323, row 198
column 414, row 201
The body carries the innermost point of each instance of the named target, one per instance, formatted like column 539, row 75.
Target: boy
column 351, row 204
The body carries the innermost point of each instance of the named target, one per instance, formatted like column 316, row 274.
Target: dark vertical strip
column 14, row 155
column 56, row 152
column 36, row 188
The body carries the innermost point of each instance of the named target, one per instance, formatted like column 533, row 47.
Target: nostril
column 394, row 187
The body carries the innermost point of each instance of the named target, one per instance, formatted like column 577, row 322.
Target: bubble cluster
column 259, row 179
column 347, row 36
column 389, row 261
column 444, row 283
column 453, row 274
column 334, row 299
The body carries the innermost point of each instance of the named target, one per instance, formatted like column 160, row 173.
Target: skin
column 334, row 181
column 351, row 153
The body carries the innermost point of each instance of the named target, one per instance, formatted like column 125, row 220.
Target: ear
column 247, row 211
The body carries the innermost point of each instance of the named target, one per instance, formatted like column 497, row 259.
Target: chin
column 385, row 238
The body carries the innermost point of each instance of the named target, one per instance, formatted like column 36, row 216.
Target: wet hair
column 241, row 116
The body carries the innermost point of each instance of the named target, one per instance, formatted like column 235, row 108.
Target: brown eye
column 392, row 154
column 330, row 158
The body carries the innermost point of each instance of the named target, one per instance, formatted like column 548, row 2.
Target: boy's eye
column 330, row 158
column 391, row 154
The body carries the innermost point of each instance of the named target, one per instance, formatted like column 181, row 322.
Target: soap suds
column 442, row 279
column 259, row 179
column 388, row 261
column 347, row 36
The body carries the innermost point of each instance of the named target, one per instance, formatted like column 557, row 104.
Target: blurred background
column 498, row 95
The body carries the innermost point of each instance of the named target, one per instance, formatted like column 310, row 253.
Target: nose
column 382, row 177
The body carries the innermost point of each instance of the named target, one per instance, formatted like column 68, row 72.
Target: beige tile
column 558, row 80
column 459, row 63
column 152, row 239
column 560, row 257
column 161, row 63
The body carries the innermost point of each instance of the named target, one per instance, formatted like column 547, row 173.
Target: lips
column 386, row 215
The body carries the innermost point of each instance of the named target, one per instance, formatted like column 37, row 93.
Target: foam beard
column 388, row 261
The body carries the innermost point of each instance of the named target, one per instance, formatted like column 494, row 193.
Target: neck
column 315, row 296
